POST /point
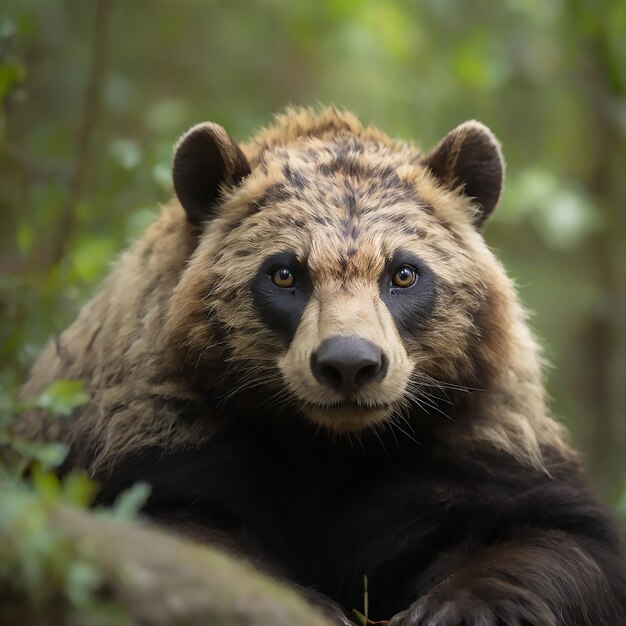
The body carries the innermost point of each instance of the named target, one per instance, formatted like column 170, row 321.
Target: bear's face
column 339, row 278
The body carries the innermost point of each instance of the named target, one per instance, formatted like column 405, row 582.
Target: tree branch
column 150, row 577
column 88, row 124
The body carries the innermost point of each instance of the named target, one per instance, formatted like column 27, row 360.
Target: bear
column 317, row 363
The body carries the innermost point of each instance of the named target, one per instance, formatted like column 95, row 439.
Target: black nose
column 348, row 363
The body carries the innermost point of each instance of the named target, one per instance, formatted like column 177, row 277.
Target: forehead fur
column 331, row 181
column 297, row 125
column 358, row 149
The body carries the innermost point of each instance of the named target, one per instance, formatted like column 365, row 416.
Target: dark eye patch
column 411, row 306
column 281, row 308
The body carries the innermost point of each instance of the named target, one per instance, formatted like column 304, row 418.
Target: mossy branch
column 145, row 576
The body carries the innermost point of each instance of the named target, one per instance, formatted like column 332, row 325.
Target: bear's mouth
column 347, row 416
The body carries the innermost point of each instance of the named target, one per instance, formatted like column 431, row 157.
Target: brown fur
column 158, row 298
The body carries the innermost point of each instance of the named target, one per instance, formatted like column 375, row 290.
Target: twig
column 89, row 121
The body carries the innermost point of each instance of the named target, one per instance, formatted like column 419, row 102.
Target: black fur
column 411, row 307
column 477, row 534
column 201, row 167
column 281, row 308
column 469, row 156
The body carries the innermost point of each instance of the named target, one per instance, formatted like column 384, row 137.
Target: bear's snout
column 347, row 363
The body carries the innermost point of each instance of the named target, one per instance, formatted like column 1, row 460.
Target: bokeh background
column 94, row 94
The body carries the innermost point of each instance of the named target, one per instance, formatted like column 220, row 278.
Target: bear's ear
column 469, row 156
column 205, row 160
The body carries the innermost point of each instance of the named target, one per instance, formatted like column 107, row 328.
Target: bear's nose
column 347, row 364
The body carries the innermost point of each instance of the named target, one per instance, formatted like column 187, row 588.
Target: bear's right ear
column 205, row 160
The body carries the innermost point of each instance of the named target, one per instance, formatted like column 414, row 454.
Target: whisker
column 404, row 432
column 382, row 443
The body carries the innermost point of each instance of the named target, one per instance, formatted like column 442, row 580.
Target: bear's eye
column 405, row 276
column 283, row 277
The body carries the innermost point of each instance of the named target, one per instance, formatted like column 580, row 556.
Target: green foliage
column 128, row 504
column 59, row 399
column 44, row 570
column 62, row 397
column 32, row 556
column 359, row 618
column 39, row 566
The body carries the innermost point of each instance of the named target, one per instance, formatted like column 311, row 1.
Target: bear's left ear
column 470, row 157
column 205, row 160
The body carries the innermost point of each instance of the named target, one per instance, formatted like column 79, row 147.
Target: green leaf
column 128, row 504
column 360, row 618
column 79, row 489
column 83, row 580
column 62, row 397
column 47, row 484
column 48, row 455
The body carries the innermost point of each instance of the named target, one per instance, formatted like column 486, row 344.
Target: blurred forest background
column 94, row 94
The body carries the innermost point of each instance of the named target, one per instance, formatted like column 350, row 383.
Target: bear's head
column 339, row 274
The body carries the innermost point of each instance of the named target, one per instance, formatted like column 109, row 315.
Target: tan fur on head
column 175, row 329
